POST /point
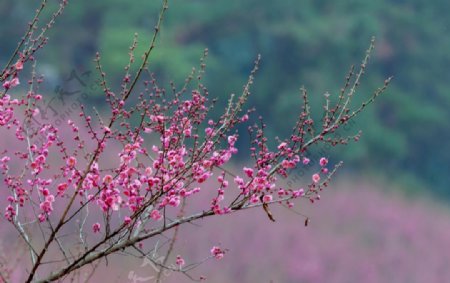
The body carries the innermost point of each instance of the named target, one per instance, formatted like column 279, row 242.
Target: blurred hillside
column 310, row 43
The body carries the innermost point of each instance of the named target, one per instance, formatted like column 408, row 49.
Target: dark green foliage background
column 311, row 43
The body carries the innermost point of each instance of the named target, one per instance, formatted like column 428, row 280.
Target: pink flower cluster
column 217, row 252
column 138, row 166
column 160, row 178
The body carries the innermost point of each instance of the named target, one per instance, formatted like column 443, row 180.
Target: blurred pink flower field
column 356, row 234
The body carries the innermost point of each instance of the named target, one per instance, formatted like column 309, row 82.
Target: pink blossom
column 254, row 199
column 96, row 227
column 15, row 82
column 248, row 172
column 19, row 65
column 217, row 252
column 288, row 164
column 180, row 261
column 157, row 118
column 36, row 112
column 46, row 206
column 298, row 193
column 41, row 217
column 305, row 160
column 282, row 146
column 232, row 140
column 148, row 171
column 323, row 161
column 174, row 201
column 71, row 162
column 107, row 179
column 238, row 181
column 155, row 215
column 267, row 198
column 209, row 132
column 316, row 178
column 5, row 159
column 12, row 83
